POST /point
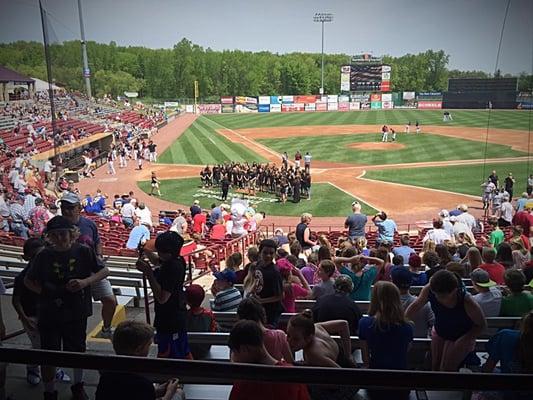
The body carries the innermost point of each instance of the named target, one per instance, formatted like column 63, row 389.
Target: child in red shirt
column 199, row 319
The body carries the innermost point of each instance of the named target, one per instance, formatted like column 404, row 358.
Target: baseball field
column 446, row 162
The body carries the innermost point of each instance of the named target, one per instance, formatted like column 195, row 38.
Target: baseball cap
column 343, row 283
column 401, row 277
column 195, row 295
column 71, row 198
column 481, row 278
column 444, row 213
column 226, row 275
column 355, row 203
column 169, row 242
column 58, row 223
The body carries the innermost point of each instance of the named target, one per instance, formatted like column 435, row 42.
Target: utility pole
column 86, row 70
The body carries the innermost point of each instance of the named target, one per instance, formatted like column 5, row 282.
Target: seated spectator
column 437, row 234
column 512, row 350
column 462, row 244
column 496, row 236
column 488, row 295
column 494, row 269
column 39, row 217
column 280, row 238
column 472, row 259
column 134, row 338
column 519, row 301
column 325, row 286
column 458, row 320
column 456, row 268
column 199, row 222
column 218, row 231
column 144, row 214
column 199, row 319
column 179, row 225
column 246, row 345
column 418, row 275
column 424, row 318
column 444, row 254
column 505, row 255
column 275, row 340
column 404, row 250
column 339, row 306
column 139, row 235
column 432, row 262
column 518, row 233
column 227, row 297
column 291, row 289
column 320, row 350
column 164, row 219
column 253, row 255
column 386, row 227
column 519, row 253
column 361, row 246
column 363, row 272
column 128, row 213
column 385, row 336
column 310, row 269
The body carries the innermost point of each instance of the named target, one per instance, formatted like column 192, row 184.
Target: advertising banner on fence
column 287, row 99
column 375, row 97
column 385, row 68
column 245, row 108
column 385, row 86
column 408, row 95
column 387, row 105
column 385, row 76
column 263, row 108
column 345, row 78
column 264, row 99
column 333, row 106
column 386, row 97
column 333, row 98
column 365, row 105
column 189, row 108
column 321, row 106
column 226, row 100
column 355, row 105
column 275, row 99
column 305, row 99
column 228, row 108
column 360, row 97
column 292, row 107
column 275, row 108
column 310, row 107
column 344, row 98
column 209, row 108
column 429, row 105
column 375, row 105
column 240, row 100
column 344, row 106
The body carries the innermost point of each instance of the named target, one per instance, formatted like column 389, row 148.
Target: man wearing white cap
column 446, row 224
column 466, row 218
column 461, row 227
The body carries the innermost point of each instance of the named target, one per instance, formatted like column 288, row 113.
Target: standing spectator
column 488, row 295
column 506, row 212
column 437, row 234
column 47, row 168
column 519, row 302
column 424, row 318
column 494, row 269
column 195, row 208
column 356, row 222
column 466, row 218
column 525, row 220
column 386, row 227
column 138, row 236
column 62, row 275
column 180, row 223
column 338, row 305
column 169, row 298
column 246, row 343
column 268, row 287
column 404, row 250
column 88, row 235
column 303, row 233
column 458, row 320
column 38, row 217
column 19, row 218
column 385, row 336
column 496, row 236
column 509, row 183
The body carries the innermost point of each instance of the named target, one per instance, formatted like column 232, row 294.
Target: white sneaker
column 61, row 376
column 33, row 377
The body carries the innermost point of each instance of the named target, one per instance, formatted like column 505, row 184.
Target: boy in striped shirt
column 227, row 297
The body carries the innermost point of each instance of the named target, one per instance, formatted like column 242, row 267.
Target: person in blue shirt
column 140, row 234
column 404, row 250
column 385, row 336
column 386, row 227
column 513, row 349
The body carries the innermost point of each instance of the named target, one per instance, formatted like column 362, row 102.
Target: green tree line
column 170, row 73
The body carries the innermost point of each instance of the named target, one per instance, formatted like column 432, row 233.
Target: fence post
column 146, row 301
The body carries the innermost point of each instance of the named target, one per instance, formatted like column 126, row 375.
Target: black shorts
column 66, row 336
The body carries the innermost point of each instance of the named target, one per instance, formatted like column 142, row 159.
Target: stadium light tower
column 322, row 17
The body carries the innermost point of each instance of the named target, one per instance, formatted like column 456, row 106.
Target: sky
column 467, row 30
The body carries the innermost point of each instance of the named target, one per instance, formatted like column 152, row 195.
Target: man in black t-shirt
column 338, row 305
column 167, row 287
column 509, row 183
column 62, row 275
column 269, row 288
column 152, row 149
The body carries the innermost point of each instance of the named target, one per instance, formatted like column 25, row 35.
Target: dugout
column 479, row 93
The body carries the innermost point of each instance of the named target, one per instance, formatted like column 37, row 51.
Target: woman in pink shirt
column 275, row 340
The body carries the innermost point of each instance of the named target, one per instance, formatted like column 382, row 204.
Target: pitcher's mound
column 383, row 146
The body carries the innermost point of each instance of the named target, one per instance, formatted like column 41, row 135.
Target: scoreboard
column 365, row 75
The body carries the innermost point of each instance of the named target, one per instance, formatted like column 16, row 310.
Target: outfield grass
column 510, row 119
column 419, row 148
column 200, row 145
column 462, row 179
column 326, row 200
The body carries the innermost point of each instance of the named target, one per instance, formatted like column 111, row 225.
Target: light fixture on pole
column 322, row 17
